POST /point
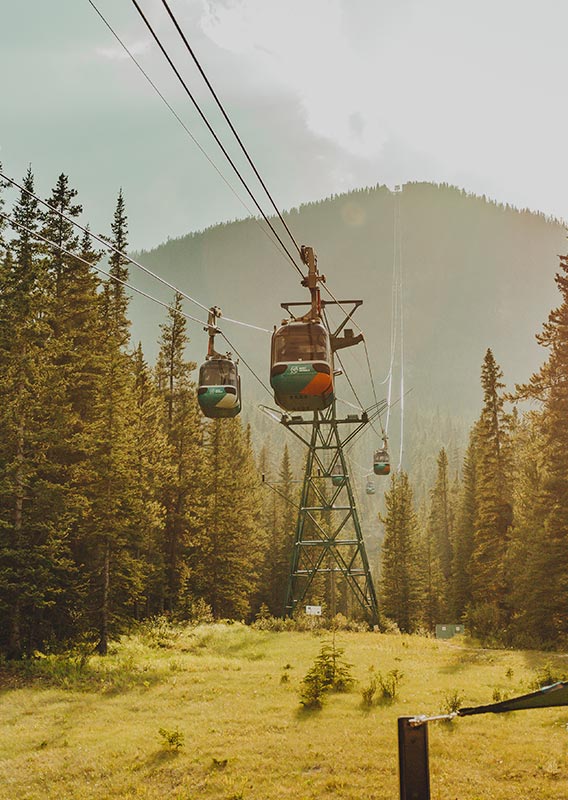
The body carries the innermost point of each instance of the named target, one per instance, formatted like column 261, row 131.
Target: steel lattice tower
column 328, row 538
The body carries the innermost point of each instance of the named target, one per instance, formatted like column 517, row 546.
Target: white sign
column 314, row 611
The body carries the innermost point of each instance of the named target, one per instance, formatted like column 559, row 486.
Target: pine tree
column 549, row 565
column 464, row 531
column 153, row 470
column 494, row 504
column 527, row 600
column 183, row 492
column 400, row 589
column 117, row 298
column 227, row 572
column 278, row 523
column 111, row 536
column 33, row 545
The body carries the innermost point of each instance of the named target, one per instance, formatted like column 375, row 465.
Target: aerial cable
column 186, row 129
column 394, row 300
column 102, row 271
column 168, row 306
column 212, row 132
column 130, row 260
column 228, row 121
column 401, row 319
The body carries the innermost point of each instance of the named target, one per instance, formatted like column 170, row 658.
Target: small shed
column 447, row 631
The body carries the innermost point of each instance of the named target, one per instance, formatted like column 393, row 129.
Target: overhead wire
column 401, row 318
column 228, row 121
column 184, row 126
column 127, row 258
column 96, row 267
column 394, row 304
column 128, row 285
column 214, row 134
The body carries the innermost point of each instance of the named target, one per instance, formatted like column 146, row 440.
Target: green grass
column 74, row 729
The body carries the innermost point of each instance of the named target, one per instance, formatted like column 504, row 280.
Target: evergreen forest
column 120, row 502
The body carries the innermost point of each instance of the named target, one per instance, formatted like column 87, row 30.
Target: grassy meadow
column 214, row 712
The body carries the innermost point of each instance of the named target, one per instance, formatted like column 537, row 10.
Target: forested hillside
column 120, row 501
column 476, row 274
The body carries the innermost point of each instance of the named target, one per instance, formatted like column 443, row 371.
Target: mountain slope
column 476, row 275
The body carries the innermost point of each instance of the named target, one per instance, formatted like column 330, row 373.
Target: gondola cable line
column 214, row 134
column 237, row 137
column 233, row 130
column 186, row 129
column 229, row 123
column 131, row 286
column 127, row 258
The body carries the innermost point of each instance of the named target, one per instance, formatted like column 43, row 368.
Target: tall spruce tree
column 547, row 620
column 26, row 499
column 494, row 513
column 183, row 491
column 278, row 522
column 227, row 572
column 466, row 515
column 400, row 582
column 112, row 537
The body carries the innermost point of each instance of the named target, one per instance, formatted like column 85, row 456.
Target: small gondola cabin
column 381, row 462
column 301, row 370
column 337, row 475
column 219, row 388
column 370, row 487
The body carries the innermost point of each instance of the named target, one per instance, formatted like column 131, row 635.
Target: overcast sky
column 328, row 95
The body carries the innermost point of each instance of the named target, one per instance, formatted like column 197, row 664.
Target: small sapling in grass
column 329, row 672
column 453, row 701
column 369, row 691
column 173, row 740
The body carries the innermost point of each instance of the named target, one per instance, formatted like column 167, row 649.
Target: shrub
column 173, row 740
column 328, row 672
column 369, row 691
column 547, row 675
column 389, row 685
column 453, row 701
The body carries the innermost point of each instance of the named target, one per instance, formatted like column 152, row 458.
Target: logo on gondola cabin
column 299, row 368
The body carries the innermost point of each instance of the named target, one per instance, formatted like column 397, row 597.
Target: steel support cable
column 401, row 314
column 212, row 132
column 186, row 129
column 168, row 306
column 228, row 121
column 383, row 434
column 127, row 258
column 90, row 264
column 394, row 301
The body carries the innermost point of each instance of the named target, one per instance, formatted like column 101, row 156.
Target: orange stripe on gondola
column 321, row 384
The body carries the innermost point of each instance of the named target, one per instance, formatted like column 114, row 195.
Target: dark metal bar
column 414, row 770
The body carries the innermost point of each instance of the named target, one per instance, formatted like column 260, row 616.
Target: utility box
column 448, row 631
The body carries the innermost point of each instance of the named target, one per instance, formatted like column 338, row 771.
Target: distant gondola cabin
column 219, row 388
column 301, row 372
column 381, row 462
column 337, row 475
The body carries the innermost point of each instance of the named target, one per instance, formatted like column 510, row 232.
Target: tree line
column 118, row 500
column 490, row 548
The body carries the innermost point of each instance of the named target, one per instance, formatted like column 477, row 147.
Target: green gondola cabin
column 381, row 462
column 219, row 388
column 337, row 475
column 301, row 372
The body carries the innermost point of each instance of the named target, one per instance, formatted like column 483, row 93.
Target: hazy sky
column 328, row 95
